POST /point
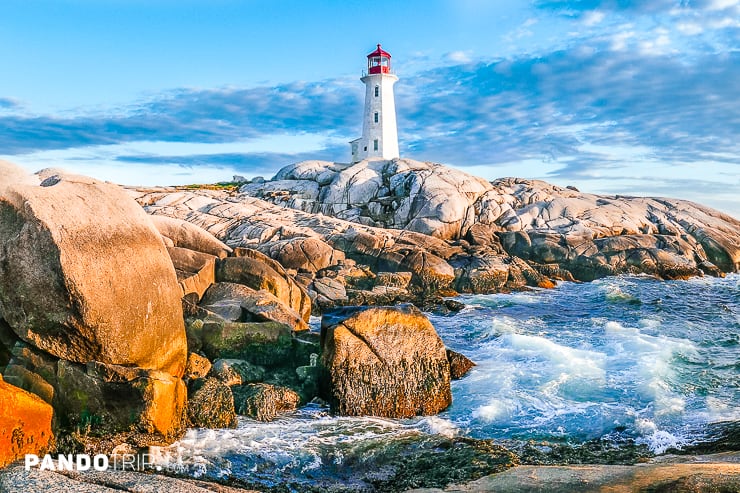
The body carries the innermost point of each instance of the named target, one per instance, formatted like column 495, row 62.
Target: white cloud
column 593, row 17
column 620, row 40
column 458, row 56
column 722, row 4
column 690, row 28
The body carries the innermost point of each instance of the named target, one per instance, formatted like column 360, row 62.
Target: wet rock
column 237, row 371
column 25, row 424
column 224, row 371
column 704, row 475
column 460, row 364
column 238, row 303
column 16, row 478
column 51, row 290
column 265, row 402
column 197, row 366
column 102, row 398
column 211, row 405
column 260, row 343
column 108, row 398
column 384, row 361
column 480, row 272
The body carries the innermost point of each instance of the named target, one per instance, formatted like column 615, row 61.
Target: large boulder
column 196, row 271
column 303, row 253
column 239, row 303
column 265, row 402
column 187, row 235
column 405, row 194
column 384, row 361
column 85, row 276
column 25, row 424
column 260, row 343
column 102, row 398
column 11, row 174
column 211, row 405
column 258, row 271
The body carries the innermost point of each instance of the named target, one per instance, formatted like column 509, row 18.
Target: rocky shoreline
column 120, row 329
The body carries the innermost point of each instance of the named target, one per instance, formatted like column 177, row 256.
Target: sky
column 628, row 97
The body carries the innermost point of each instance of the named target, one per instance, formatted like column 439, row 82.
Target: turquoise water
column 645, row 359
column 626, row 359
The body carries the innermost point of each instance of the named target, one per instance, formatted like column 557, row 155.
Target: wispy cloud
column 630, row 105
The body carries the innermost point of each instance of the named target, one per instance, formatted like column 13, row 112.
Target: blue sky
column 612, row 96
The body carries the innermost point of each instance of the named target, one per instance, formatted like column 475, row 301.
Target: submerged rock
column 384, row 361
column 460, row 364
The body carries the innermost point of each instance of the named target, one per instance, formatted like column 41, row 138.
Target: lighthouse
column 379, row 135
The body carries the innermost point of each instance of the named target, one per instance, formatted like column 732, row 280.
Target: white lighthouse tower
column 379, row 135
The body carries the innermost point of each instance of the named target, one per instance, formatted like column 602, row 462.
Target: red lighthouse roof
column 379, row 52
column 379, row 62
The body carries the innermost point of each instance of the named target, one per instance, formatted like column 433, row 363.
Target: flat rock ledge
column 17, row 479
column 665, row 474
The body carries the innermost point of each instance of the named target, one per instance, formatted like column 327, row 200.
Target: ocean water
column 629, row 359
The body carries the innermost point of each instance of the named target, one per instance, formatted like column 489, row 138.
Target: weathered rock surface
column 487, row 237
column 25, row 424
column 460, row 364
column 239, row 303
column 12, row 174
column 198, row 366
column 211, row 405
column 237, row 371
column 93, row 285
column 187, row 235
column 102, row 398
column 667, row 237
column 720, row 472
column 260, row 343
column 259, row 272
column 17, row 479
column 384, row 361
column 265, row 402
column 401, row 194
column 249, row 222
column 309, row 254
column 196, row 271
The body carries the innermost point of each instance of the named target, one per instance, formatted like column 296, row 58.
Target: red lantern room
column 379, row 62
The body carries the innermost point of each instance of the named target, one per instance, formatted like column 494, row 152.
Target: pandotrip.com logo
column 86, row 462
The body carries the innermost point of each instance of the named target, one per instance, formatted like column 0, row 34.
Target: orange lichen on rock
column 25, row 424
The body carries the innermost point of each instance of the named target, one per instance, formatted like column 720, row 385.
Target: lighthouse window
column 376, row 117
column 375, row 145
column 377, row 91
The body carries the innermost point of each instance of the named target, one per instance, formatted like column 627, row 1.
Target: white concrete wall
column 384, row 130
